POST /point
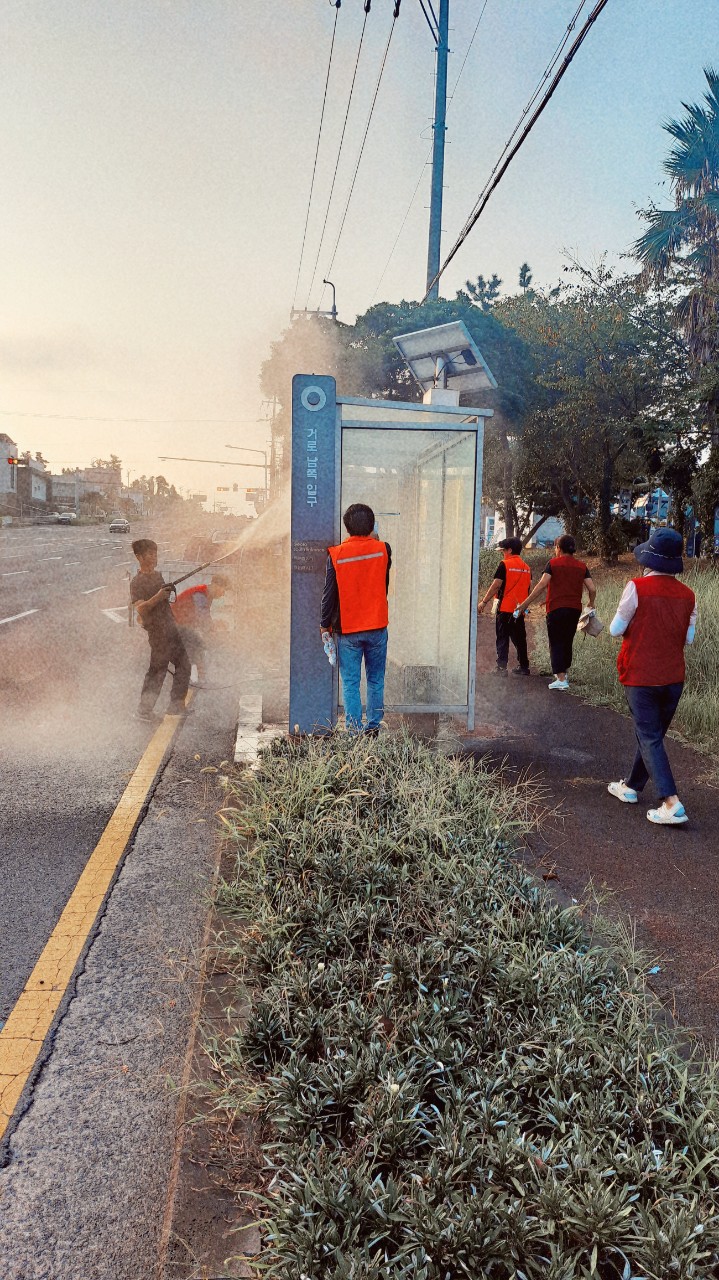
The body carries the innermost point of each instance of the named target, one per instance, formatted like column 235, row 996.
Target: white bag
column 589, row 623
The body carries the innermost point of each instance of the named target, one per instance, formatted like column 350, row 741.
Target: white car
column 66, row 517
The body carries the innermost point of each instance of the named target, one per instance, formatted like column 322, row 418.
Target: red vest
column 361, row 569
column 516, row 585
column 566, row 584
column 652, row 651
column 183, row 610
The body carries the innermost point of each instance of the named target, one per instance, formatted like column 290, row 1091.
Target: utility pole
column 440, row 128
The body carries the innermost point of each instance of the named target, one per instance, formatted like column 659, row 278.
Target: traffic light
column 12, row 462
column 235, row 488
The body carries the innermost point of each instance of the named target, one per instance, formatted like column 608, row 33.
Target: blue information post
column 315, row 498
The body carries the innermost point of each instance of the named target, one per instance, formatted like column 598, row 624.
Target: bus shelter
column 419, row 466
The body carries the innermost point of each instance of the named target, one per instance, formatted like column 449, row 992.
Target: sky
column 156, row 158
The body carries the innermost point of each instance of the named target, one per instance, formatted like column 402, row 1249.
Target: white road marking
column 69, row 563
column 15, row 616
column 44, row 558
column 89, row 593
column 12, row 573
column 112, row 613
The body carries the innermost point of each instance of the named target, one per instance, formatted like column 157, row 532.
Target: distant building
column 494, row 529
column 105, row 480
column 64, row 490
column 33, row 488
column 8, row 476
column 136, row 497
column 653, row 506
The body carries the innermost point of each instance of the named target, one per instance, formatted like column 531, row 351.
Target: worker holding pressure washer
column 150, row 595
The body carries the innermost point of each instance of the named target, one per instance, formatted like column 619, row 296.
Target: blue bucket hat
column 663, row 551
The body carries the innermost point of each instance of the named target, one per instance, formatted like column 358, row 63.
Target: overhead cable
column 501, row 169
column 434, row 30
column 364, row 138
column 339, row 153
column 317, row 152
column 413, row 197
column 469, row 50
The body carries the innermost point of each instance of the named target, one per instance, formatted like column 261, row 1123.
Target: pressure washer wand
column 199, row 568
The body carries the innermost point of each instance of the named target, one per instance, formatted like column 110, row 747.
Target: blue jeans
column 351, row 648
column 652, row 710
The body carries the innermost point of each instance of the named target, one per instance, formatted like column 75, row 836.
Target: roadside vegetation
column 449, row 1076
column 594, row 669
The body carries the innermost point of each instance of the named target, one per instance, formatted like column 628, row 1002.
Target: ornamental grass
column 451, row 1077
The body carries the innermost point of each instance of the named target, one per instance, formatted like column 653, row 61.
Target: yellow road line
column 23, row 1035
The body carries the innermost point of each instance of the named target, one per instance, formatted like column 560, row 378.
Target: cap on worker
column 662, row 552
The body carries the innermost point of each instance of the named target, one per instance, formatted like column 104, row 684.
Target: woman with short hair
column 564, row 579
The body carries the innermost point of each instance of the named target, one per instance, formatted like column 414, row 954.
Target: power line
column 469, row 50
column 543, row 80
column 499, row 170
column 413, row 197
column 339, row 153
column 435, row 33
column 317, row 152
column 364, row 139
column 75, row 417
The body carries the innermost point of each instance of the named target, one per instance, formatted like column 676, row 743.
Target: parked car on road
column 66, row 517
column 120, row 525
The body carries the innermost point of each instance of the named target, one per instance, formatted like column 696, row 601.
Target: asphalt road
column 70, row 673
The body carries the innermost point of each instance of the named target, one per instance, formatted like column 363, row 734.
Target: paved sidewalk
column 85, row 1192
column 665, row 878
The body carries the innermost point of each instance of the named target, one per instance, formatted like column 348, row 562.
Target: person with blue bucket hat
column 656, row 618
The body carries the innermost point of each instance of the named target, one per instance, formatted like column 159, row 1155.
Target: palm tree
column 685, row 240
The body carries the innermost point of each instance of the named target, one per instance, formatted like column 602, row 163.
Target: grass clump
column 594, row 668
column 452, row 1081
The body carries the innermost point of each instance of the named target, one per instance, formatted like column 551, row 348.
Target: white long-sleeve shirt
column 629, row 603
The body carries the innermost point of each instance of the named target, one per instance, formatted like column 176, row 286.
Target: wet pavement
column 666, row 879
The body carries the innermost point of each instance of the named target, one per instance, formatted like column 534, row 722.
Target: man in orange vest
column 191, row 612
column 354, row 609
column 511, row 583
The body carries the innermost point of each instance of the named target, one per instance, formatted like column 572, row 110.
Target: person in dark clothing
column 564, row 579
column 150, row 595
column 354, row 608
column 511, row 582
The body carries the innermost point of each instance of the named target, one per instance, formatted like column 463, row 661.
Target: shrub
column 452, row 1079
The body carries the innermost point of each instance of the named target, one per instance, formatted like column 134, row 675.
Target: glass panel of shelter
column 419, row 476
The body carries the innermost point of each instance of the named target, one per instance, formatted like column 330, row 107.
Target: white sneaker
column 667, row 816
column 558, row 684
column 624, row 793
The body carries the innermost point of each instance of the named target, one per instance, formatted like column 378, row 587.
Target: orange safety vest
column 517, row 584
column 361, row 568
column 183, row 610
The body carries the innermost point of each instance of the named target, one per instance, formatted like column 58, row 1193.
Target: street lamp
column 262, row 453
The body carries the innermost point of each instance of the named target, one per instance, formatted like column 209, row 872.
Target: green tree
column 525, row 276
column 365, row 362
column 613, row 373
column 682, row 244
column 482, row 293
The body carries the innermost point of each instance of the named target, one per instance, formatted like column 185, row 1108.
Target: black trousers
column 561, row 630
column 510, row 628
column 162, row 654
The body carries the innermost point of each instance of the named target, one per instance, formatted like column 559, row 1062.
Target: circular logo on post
column 313, row 399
